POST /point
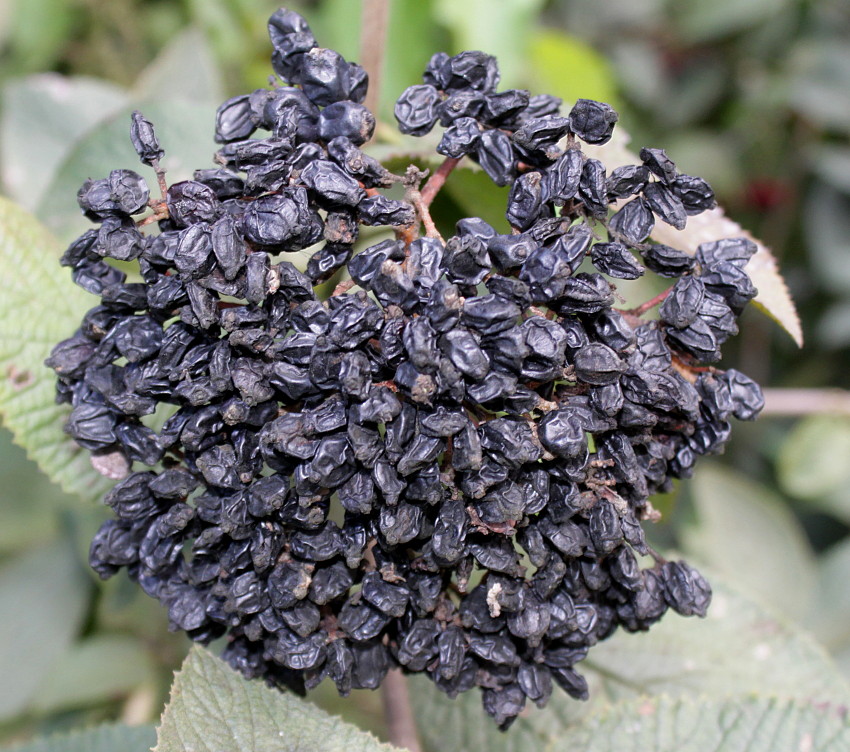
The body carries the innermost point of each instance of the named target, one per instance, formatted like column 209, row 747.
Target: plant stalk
column 799, row 402
column 373, row 42
column 401, row 725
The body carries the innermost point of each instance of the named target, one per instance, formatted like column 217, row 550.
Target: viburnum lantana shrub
column 443, row 466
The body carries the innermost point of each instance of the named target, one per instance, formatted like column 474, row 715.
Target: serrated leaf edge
column 205, row 654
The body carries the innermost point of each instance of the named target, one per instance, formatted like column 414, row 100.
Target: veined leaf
column 39, row 307
column 750, row 724
column 213, row 708
column 738, row 650
column 744, row 531
column 106, row 738
column 89, row 673
column 43, row 598
column 43, row 116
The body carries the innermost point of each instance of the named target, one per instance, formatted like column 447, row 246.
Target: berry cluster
column 444, row 466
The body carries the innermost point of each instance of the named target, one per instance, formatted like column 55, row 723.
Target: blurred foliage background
column 754, row 96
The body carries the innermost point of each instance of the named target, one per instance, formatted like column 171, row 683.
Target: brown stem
column 160, row 211
column 160, row 177
column 797, row 402
column 401, row 725
column 343, row 287
column 437, row 180
column 644, row 307
column 373, row 35
column 415, row 198
column 407, row 235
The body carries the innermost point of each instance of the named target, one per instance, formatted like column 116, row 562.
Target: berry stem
column 343, row 287
column 415, row 197
column 160, row 178
column 401, row 725
column 438, row 179
column 160, row 211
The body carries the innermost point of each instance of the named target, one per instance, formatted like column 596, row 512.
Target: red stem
column 437, row 180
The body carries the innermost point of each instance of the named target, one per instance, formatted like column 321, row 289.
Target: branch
column 421, row 207
column 160, row 178
column 796, row 402
column 398, row 712
column 373, row 35
column 436, row 181
column 343, row 287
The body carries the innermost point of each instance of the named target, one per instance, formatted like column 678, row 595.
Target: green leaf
column 553, row 52
column 38, row 31
column 39, row 307
column 808, row 472
column 819, row 73
column 477, row 25
column 827, row 223
column 663, row 724
column 184, row 71
column 43, row 599
column 738, row 649
column 703, row 153
column 221, row 24
column 213, row 708
column 701, row 22
column 743, row 531
column 101, row 668
column 333, row 22
column 477, row 196
column 396, row 151
column 412, row 38
column 28, row 512
column 106, row 738
column 43, row 116
column 184, row 129
column 833, row 329
column 831, row 163
column 829, row 617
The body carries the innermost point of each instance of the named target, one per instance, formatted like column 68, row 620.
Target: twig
column 373, row 35
column 794, row 402
column 160, row 179
column 436, row 181
column 343, row 287
column 398, row 712
column 415, row 198
column 160, row 211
